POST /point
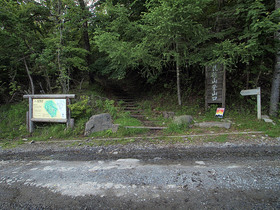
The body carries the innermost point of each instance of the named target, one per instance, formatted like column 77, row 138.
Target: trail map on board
column 49, row 108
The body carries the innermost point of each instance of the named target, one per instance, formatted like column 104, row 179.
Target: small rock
column 200, row 162
column 24, row 139
column 168, row 115
column 115, row 128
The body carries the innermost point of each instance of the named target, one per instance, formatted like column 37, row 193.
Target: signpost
column 49, row 108
column 257, row 92
column 215, row 85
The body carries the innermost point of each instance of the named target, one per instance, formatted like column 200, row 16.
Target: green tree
column 21, row 30
column 63, row 52
column 173, row 32
column 117, row 38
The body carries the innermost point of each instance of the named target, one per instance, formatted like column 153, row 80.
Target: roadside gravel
column 191, row 146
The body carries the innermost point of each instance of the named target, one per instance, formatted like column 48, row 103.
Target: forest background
column 53, row 46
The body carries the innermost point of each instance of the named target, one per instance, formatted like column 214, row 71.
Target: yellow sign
column 49, row 109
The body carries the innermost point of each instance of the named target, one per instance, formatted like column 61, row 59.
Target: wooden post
column 68, row 113
column 30, row 123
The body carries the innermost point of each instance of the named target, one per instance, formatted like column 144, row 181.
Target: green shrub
column 81, row 108
column 107, row 106
column 13, row 120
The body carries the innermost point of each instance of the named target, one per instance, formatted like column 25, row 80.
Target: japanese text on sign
column 214, row 80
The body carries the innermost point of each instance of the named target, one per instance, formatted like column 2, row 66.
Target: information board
column 49, row 109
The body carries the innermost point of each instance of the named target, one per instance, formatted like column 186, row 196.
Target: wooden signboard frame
column 215, row 85
column 66, row 118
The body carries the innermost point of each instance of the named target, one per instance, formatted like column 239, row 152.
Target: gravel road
column 140, row 177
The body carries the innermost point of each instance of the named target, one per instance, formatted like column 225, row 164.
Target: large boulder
column 97, row 123
column 183, row 120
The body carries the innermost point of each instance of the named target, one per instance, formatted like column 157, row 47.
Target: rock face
column 98, row 122
column 184, row 119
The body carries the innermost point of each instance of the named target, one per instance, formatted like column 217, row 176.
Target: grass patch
column 122, row 132
column 127, row 121
column 9, row 144
column 173, row 128
column 220, row 139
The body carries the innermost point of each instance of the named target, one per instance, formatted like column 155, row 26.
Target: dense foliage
column 54, row 45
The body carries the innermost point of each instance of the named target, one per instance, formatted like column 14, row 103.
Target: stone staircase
column 130, row 105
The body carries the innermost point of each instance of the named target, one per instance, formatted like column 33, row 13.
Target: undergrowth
column 13, row 119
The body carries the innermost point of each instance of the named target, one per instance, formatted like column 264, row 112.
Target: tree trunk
column 178, row 85
column 85, row 31
column 86, row 36
column 274, row 97
column 178, row 82
column 29, row 76
column 178, row 75
column 61, row 69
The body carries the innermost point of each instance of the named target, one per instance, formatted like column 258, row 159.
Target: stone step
column 133, row 112
column 131, row 108
column 126, row 99
column 147, row 127
column 137, row 116
column 125, row 104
